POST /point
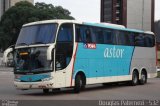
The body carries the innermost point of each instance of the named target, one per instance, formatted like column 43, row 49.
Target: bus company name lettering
column 113, row 52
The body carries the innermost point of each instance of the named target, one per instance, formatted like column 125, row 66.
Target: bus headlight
column 17, row 80
column 47, row 79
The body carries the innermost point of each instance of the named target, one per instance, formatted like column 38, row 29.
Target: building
column 5, row 4
column 136, row 14
column 157, row 32
column 13, row 2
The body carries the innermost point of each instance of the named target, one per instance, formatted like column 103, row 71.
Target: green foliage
column 24, row 12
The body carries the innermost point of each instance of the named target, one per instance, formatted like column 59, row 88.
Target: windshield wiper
column 21, row 44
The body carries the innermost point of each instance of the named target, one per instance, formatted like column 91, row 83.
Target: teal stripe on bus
column 113, row 27
column 105, row 60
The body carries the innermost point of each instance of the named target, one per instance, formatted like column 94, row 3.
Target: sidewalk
column 2, row 68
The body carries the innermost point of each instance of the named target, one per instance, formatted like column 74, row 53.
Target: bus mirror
column 49, row 52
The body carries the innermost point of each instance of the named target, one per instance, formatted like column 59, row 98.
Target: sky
column 157, row 9
column 88, row 10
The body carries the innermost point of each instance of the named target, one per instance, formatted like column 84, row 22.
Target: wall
column 139, row 14
column 15, row 1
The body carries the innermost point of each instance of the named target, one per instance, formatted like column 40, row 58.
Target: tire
column 134, row 81
column 143, row 79
column 78, row 84
column 45, row 91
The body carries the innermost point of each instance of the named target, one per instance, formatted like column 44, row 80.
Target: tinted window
column 44, row 33
column 125, row 38
column 144, row 40
column 131, row 38
column 122, row 38
column 109, row 36
column 84, row 34
column 139, row 40
column 78, row 34
column 99, row 36
column 149, row 40
column 65, row 33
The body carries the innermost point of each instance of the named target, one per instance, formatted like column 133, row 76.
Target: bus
column 56, row 54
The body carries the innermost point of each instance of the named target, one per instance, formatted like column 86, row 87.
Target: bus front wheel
column 78, row 84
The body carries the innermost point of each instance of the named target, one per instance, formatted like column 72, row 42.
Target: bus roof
column 114, row 26
column 52, row 21
column 104, row 25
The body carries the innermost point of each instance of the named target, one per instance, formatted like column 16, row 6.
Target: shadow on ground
column 90, row 88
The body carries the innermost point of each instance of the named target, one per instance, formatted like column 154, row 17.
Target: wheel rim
column 80, row 82
column 143, row 78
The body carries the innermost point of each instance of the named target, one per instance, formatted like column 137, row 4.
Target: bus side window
column 64, row 46
column 121, row 37
column 109, row 36
column 131, row 38
column 93, row 36
column 78, row 35
column 65, row 33
column 149, row 40
column 139, row 40
column 88, row 36
column 125, row 38
column 85, row 34
column 98, row 33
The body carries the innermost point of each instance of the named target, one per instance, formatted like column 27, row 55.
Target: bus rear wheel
column 78, row 84
column 143, row 79
column 134, row 81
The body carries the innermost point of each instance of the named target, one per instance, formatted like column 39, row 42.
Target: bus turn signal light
column 23, row 53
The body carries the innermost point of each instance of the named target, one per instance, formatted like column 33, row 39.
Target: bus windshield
column 37, row 34
column 32, row 60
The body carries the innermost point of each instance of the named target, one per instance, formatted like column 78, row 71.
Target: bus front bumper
column 34, row 85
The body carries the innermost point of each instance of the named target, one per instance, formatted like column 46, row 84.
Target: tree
column 24, row 12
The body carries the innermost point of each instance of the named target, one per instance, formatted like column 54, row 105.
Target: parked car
column 8, row 57
column 158, row 68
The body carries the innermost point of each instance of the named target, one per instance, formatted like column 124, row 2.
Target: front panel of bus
column 34, row 68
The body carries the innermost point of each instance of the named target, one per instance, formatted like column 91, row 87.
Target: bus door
column 63, row 54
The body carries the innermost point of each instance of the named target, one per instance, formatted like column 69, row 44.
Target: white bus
column 66, row 53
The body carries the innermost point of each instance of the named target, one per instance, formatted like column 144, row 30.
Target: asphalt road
column 149, row 91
